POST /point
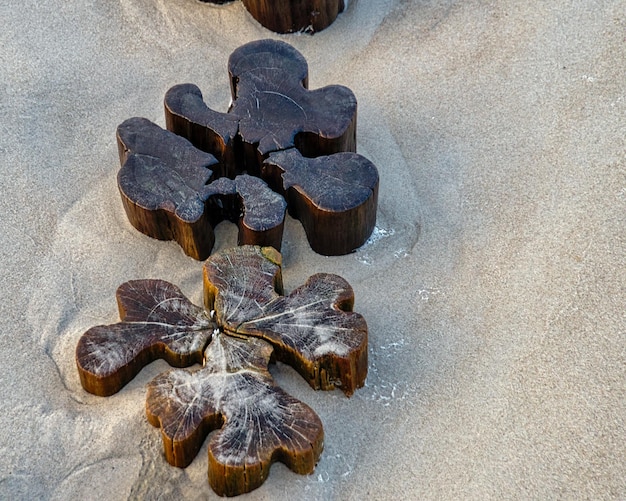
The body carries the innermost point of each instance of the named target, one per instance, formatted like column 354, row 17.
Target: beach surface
column 494, row 284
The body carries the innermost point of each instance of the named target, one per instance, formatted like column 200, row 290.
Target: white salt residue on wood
column 259, row 418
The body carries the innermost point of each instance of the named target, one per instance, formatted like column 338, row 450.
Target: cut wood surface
column 164, row 186
column 258, row 422
column 301, row 142
column 313, row 329
column 273, row 106
column 157, row 321
column 251, row 322
column 335, row 196
column 287, row 16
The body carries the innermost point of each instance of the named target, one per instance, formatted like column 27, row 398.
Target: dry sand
column 495, row 289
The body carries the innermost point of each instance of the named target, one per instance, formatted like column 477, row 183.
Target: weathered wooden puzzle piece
column 157, row 321
column 234, row 393
column 313, row 329
column 289, row 16
column 280, row 130
column 166, row 189
column 335, row 197
column 250, row 322
column 274, row 109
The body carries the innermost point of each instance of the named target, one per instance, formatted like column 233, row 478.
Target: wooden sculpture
column 247, row 321
column 288, row 16
column 272, row 111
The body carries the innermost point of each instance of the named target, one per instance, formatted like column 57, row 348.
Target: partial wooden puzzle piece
column 166, row 189
column 334, row 196
column 273, row 112
column 272, row 105
column 157, row 321
column 249, row 323
column 234, row 392
column 287, row 16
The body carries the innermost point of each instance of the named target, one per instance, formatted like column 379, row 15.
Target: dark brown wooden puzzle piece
column 289, row 16
column 313, row 329
column 164, row 183
column 335, row 196
column 273, row 107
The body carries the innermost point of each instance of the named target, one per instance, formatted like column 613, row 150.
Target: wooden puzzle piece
column 313, row 329
column 334, row 196
column 274, row 108
column 157, row 321
column 287, row 16
column 164, row 183
column 258, row 422
column 300, row 142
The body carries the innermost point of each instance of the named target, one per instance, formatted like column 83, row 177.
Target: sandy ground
column 494, row 287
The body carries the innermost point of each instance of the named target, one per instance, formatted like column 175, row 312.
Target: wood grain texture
column 157, row 321
column 234, row 392
column 273, row 108
column 167, row 194
column 334, row 196
column 186, row 115
column 313, row 329
column 301, row 142
column 251, row 322
column 289, row 16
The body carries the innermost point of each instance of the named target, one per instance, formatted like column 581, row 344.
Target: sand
column 494, row 286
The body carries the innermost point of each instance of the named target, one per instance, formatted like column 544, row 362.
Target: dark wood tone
column 234, row 392
column 313, row 329
column 335, row 197
column 158, row 321
column 301, row 142
column 211, row 131
column 247, row 201
column 163, row 183
column 274, row 109
column 288, row 16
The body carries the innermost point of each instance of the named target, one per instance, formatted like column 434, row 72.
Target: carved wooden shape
column 251, row 322
column 164, row 186
column 335, row 197
column 157, row 321
column 234, row 392
column 300, row 142
column 287, row 16
column 313, row 329
column 274, row 108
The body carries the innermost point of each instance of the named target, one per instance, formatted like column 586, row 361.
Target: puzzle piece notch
column 234, row 393
column 164, row 186
column 287, row 16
